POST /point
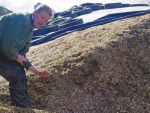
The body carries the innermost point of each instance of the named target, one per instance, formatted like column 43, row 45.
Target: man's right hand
column 20, row 59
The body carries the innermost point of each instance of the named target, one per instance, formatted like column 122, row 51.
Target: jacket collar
column 32, row 20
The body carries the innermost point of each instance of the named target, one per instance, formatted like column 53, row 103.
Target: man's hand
column 20, row 59
column 38, row 72
column 43, row 74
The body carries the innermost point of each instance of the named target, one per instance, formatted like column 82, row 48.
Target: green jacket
column 15, row 36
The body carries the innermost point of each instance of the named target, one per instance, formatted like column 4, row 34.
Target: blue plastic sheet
column 99, row 21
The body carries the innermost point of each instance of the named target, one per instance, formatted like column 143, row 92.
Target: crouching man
column 16, row 31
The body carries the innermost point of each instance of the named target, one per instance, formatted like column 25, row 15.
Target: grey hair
column 46, row 8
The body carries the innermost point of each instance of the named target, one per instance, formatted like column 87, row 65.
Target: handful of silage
column 43, row 70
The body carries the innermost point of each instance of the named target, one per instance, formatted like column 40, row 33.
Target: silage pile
column 104, row 68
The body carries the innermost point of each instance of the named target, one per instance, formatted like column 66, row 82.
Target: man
column 15, row 40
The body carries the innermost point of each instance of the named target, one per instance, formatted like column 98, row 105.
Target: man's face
column 40, row 18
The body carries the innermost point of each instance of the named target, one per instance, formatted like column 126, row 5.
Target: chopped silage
column 104, row 68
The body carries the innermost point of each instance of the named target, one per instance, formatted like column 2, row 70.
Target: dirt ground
column 102, row 69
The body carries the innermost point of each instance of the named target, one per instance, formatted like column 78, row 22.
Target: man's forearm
column 32, row 68
column 40, row 74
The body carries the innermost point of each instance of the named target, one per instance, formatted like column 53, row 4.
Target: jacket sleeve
column 23, row 52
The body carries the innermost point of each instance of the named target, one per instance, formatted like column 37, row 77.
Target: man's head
column 41, row 15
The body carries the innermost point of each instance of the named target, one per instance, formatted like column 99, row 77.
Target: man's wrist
column 32, row 68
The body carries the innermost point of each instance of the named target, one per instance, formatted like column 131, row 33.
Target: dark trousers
column 14, row 73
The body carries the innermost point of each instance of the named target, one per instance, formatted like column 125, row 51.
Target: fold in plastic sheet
column 95, row 18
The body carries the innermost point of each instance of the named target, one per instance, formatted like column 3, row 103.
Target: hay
column 104, row 68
